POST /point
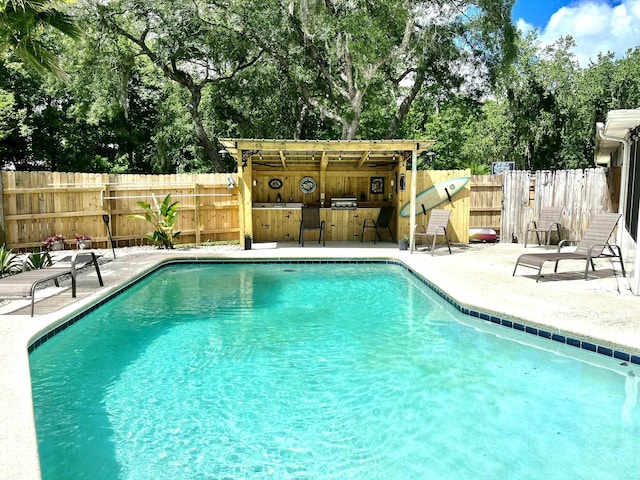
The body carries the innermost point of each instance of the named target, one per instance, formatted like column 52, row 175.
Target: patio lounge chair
column 594, row 243
column 384, row 221
column 311, row 221
column 438, row 221
column 549, row 218
column 24, row 284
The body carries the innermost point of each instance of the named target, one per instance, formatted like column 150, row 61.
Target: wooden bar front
column 283, row 224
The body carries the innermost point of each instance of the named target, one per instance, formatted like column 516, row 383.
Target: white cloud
column 596, row 27
column 523, row 26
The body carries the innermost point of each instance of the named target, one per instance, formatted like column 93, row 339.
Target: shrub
column 163, row 217
column 9, row 262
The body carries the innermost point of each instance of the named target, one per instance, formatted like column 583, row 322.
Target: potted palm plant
column 403, row 243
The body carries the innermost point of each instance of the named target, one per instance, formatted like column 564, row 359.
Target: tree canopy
column 151, row 86
column 24, row 23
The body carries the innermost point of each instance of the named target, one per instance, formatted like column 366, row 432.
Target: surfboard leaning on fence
column 436, row 195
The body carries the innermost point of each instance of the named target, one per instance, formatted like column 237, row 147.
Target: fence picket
column 36, row 205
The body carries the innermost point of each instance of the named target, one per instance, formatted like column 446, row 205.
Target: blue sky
column 596, row 25
column 537, row 13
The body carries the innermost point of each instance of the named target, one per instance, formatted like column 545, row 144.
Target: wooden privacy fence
column 458, row 230
column 485, row 210
column 37, row 205
column 581, row 193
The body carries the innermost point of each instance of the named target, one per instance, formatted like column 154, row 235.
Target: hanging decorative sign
column 275, row 183
column 307, row 185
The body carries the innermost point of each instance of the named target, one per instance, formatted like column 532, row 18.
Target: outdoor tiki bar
column 349, row 180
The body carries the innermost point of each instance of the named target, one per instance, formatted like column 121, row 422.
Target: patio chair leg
column 586, row 269
column 619, row 255
column 33, row 298
column 446, row 237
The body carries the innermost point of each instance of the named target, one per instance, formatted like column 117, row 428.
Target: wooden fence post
column 2, row 225
column 196, row 215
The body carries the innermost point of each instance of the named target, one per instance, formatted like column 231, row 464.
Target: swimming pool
column 318, row 371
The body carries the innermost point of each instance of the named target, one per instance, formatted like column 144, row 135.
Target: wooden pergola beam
column 326, row 145
column 363, row 158
column 283, row 159
column 324, row 161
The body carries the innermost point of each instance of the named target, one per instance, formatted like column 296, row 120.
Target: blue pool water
column 318, row 372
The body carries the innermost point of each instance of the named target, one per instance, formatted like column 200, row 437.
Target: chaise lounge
column 594, row 244
column 24, row 284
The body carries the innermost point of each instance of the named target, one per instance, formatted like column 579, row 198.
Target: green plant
column 9, row 262
column 49, row 241
column 163, row 217
column 38, row 260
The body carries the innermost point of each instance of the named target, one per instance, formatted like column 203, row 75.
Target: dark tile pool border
column 604, row 350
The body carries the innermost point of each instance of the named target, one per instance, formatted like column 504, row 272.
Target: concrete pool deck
column 601, row 309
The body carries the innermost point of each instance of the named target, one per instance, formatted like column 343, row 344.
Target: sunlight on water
column 317, row 372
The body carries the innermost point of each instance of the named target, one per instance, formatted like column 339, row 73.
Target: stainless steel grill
column 344, row 203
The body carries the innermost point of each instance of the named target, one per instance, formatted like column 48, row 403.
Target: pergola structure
column 320, row 158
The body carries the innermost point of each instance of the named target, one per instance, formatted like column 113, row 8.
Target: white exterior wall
column 623, row 239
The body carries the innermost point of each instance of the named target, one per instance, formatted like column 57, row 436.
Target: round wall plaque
column 275, row 183
column 307, row 185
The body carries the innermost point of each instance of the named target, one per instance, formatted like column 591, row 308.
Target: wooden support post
column 3, row 237
column 244, row 188
column 196, row 215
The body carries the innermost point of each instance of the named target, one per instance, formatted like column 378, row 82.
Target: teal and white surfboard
column 436, row 195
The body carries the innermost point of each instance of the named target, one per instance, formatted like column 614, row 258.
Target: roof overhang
column 323, row 155
column 617, row 127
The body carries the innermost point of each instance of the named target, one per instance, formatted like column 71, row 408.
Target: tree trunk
column 404, row 107
column 203, row 139
column 349, row 129
column 350, row 126
column 300, row 121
